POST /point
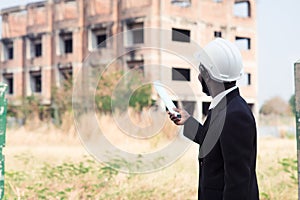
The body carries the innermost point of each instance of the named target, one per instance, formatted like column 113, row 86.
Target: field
column 47, row 163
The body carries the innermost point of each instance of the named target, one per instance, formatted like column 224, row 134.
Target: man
column 227, row 139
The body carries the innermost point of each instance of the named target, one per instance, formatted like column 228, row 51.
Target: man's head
column 220, row 65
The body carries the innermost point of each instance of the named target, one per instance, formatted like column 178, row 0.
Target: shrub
column 276, row 106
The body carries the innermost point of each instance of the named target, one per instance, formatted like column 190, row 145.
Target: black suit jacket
column 227, row 155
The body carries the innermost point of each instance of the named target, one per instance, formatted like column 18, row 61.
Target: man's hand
column 179, row 121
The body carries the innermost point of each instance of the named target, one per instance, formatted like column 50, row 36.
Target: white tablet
column 165, row 97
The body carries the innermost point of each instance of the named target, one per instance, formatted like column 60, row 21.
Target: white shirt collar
column 216, row 100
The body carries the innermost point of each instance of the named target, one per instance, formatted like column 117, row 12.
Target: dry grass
column 30, row 151
column 274, row 182
column 277, row 120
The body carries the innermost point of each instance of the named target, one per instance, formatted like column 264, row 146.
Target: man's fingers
column 174, row 118
column 177, row 109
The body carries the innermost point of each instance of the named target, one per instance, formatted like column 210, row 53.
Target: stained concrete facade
column 45, row 41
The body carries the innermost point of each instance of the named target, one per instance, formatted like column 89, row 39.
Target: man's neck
column 218, row 88
column 216, row 99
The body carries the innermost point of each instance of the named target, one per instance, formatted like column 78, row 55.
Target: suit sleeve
column 237, row 144
column 194, row 130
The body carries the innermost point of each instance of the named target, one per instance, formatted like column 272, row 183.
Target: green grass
column 83, row 180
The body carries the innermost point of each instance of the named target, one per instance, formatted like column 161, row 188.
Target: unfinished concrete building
column 43, row 43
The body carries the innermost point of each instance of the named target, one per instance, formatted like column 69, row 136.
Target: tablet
column 165, row 97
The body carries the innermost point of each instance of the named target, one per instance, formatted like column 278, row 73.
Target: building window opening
column 8, row 50
column 242, row 9
column 70, row 1
column 245, row 80
column 189, row 106
column 205, row 107
column 136, row 33
column 65, row 75
column 36, row 81
column 181, row 74
column 66, row 43
column 36, row 47
column 218, row 34
column 181, row 35
column 137, row 65
column 101, row 41
column 9, row 80
column 243, row 43
column 181, row 3
column 98, row 38
column 248, row 75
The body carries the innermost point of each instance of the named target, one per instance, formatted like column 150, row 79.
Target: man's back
column 228, row 171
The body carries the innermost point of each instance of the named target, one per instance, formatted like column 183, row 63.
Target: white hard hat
column 222, row 59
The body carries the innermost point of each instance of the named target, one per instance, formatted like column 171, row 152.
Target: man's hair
column 228, row 85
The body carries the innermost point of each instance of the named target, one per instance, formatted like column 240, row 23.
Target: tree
column 292, row 103
column 276, row 106
column 141, row 98
column 117, row 90
column 105, row 88
column 61, row 100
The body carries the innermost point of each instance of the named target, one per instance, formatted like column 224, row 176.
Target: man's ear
column 205, row 76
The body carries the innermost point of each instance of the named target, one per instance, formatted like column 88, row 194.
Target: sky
column 278, row 33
